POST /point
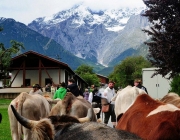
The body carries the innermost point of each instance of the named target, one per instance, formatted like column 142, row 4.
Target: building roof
column 30, row 53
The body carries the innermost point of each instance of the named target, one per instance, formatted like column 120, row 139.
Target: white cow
column 125, row 98
column 33, row 107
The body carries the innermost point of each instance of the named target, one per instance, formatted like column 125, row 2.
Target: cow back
column 126, row 98
column 151, row 119
column 33, row 107
column 73, row 106
column 171, row 98
column 92, row 131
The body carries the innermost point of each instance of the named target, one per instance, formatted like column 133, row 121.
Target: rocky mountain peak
column 91, row 34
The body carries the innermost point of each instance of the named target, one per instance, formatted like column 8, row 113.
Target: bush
column 175, row 85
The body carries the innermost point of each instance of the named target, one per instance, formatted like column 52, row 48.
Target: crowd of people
column 92, row 95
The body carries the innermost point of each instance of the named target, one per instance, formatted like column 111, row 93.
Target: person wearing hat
column 86, row 94
column 61, row 92
column 36, row 90
column 73, row 87
column 137, row 83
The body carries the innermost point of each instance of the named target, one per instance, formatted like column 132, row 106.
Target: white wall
column 1, row 83
column 34, row 76
column 54, row 74
column 18, row 80
column 157, row 86
column 62, row 78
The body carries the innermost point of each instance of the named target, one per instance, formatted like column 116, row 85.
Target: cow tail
column 21, row 100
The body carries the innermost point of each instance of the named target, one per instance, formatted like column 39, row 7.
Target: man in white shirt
column 109, row 93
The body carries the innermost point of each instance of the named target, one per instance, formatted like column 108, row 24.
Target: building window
column 27, row 82
column 48, row 81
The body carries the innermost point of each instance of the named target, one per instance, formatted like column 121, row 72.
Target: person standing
column 138, row 84
column 52, row 90
column 48, row 87
column 95, row 100
column 86, row 94
column 109, row 93
column 36, row 90
column 61, row 92
column 73, row 88
column 91, row 88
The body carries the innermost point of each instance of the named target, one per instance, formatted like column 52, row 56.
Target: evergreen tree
column 164, row 47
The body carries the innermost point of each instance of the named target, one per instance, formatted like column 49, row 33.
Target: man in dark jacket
column 137, row 83
column 72, row 87
column 95, row 100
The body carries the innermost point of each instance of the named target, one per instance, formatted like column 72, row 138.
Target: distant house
column 31, row 68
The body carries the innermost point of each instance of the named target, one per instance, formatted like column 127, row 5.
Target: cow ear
column 119, row 117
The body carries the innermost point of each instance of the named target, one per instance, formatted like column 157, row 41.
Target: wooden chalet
column 34, row 68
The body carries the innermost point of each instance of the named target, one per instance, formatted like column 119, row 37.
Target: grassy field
column 5, row 133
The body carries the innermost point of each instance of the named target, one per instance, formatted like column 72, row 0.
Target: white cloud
column 27, row 10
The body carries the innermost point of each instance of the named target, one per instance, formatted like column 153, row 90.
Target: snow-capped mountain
column 92, row 35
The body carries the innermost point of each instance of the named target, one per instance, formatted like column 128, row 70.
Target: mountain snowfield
column 97, row 36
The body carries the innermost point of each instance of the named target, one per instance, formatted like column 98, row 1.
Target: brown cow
column 171, row 98
column 74, row 106
column 33, row 107
column 151, row 119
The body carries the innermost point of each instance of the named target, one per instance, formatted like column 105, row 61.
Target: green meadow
column 5, row 133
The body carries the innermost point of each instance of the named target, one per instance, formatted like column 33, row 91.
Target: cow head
column 43, row 129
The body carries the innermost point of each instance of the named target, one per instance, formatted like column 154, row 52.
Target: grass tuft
column 5, row 132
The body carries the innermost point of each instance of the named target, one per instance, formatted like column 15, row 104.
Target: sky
column 26, row 11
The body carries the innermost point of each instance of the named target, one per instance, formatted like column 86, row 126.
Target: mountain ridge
column 101, row 39
column 32, row 40
column 85, row 33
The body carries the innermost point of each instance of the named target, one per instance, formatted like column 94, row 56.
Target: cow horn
column 88, row 117
column 23, row 121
